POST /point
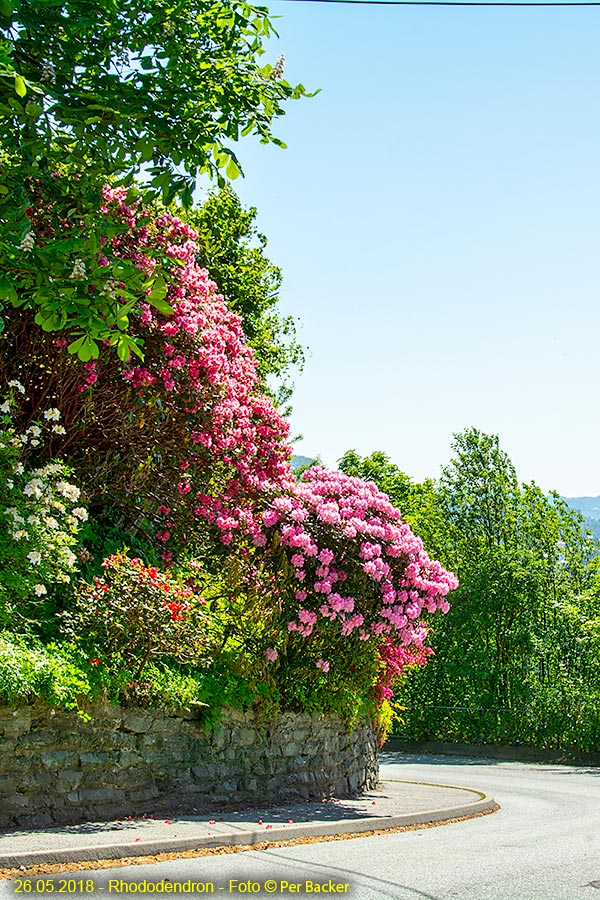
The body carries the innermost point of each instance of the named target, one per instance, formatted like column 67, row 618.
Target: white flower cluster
column 28, row 242
column 53, row 415
column 278, row 68
column 45, row 513
column 112, row 289
column 68, row 490
column 79, row 272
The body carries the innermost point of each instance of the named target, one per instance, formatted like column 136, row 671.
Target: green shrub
column 29, row 670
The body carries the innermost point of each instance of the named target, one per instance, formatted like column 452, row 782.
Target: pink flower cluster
column 198, row 368
column 355, row 562
column 394, row 660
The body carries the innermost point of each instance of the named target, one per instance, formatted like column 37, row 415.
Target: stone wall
column 57, row 769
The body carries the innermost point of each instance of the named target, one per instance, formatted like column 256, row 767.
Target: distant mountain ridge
column 589, row 507
column 298, row 461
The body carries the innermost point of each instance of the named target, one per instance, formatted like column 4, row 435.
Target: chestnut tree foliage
column 97, row 90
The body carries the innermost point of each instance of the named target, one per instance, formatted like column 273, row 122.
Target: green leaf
column 232, row 171
column 136, row 348
column 85, row 352
column 76, row 345
column 85, row 347
column 159, row 289
column 20, row 86
column 161, row 305
column 50, row 320
column 6, row 9
column 34, row 110
column 123, row 350
column 121, row 270
column 7, row 290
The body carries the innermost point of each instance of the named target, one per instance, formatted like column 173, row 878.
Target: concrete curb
column 239, row 837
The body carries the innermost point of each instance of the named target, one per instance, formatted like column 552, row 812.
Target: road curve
column 543, row 844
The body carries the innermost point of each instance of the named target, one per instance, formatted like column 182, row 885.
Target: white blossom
column 39, row 590
column 28, row 242
column 70, row 491
column 5, row 407
column 58, row 429
column 78, row 273
column 35, row 557
column 16, row 385
column 33, row 488
column 112, row 289
column 81, row 513
column 52, row 415
column 18, row 535
column 68, row 556
column 49, row 469
column 278, row 68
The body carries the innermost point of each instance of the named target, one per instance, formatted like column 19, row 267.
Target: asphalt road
column 543, row 844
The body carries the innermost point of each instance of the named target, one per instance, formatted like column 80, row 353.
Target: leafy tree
column 516, row 657
column 521, row 557
column 97, row 90
column 233, row 251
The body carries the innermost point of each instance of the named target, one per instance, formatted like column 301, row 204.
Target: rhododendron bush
column 352, row 582
column 318, row 585
column 191, row 411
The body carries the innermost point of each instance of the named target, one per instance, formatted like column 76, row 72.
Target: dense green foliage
column 517, row 658
column 101, row 90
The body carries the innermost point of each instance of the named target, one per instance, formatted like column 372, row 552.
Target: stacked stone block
column 57, row 769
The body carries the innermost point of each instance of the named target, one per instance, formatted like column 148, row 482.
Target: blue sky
column 436, row 217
